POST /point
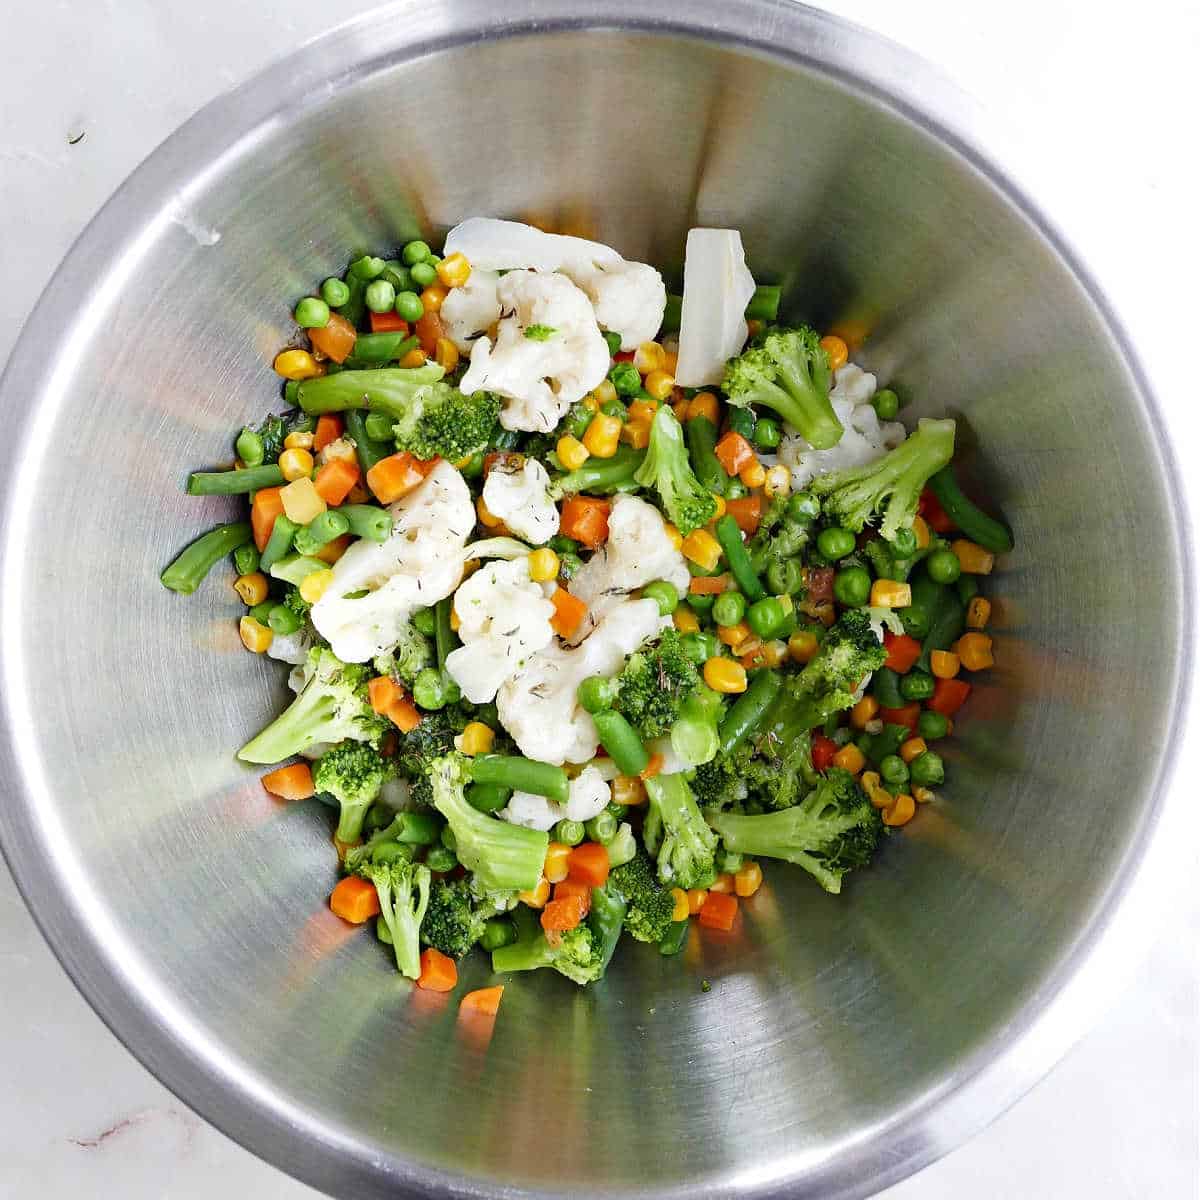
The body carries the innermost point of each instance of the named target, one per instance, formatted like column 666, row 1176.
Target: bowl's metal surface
column 844, row 1042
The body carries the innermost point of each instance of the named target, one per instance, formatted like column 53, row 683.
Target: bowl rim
column 137, row 1011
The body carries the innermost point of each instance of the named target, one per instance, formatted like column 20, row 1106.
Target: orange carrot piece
column 387, row 322
column 585, row 518
column 562, row 914
column 335, row 479
column 294, row 782
column 382, row 692
column 653, row 767
column 485, row 1001
column 354, row 900
column 438, row 973
column 335, row 340
column 266, row 507
column 569, row 612
column 708, row 585
column 394, row 476
column 574, row 888
column 909, row 715
column 332, row 551
column 719, row 911
column 588, row 864
column 734, row 453
column 404, row 715
column 428, row 329
column 329, row 429
column 747, row 512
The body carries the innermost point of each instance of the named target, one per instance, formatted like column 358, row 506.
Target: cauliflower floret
column 638, row 551
column 419, row 564
column 292, row 647
column 503, row 618
column 540, row 377
column 538, row 705
column 587, row 797
column 866, row 438
column 469, row 311
column 629, row 297
column 517, row 492
column 339, row 448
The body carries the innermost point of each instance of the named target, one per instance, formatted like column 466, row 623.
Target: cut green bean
column 368, row 450
column 522, row 775
column 320, row 531
column 764, row 304
column 701, row 436
column 444, row 636
column 621, row 741
column 738, row 557
column 250, row 448
column 983, row 530
column 749, row 710
column 234, row 483
column 186, row 572
column 487, row 797
column 296, row 568
column 246, row 559
column 283, row 533
column 672, row 313
column 674, row 939
column 367, row 521
column 417, row 828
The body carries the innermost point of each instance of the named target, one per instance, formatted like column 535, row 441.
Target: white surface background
column 1096, row 115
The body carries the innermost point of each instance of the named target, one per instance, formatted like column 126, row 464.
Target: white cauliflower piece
column 518, row 493
column 469, row 311
column 419, row 564
column 866, row 438
column 717, row 286
column 539, row 378
column 503, row 618
column 292, row 647
column 339, row 448
column 538, row 705
column 638, row 551
column 587, row 797
column 629, row 297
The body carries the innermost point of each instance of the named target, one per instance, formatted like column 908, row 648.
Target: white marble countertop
column 1095, row 115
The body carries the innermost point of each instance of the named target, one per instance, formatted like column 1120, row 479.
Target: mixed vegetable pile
column 594, row 597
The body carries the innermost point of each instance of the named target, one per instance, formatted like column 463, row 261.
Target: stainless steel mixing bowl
column 845, row 1041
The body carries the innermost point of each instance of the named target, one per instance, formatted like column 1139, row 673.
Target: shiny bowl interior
column 843, row 1041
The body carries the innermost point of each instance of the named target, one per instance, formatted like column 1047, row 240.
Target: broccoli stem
column 601, row 475
column 530, row 952
column 388, row 389
column 194, row 563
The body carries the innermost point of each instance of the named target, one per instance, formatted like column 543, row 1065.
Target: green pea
column 664, row 594
column 440, row 859
column 283, row 621
column 729, row 608
column 424, row 621
column 602, row 827
column 741, row 420
column 474, row 466
column 767, row 434
column 916, row 685
column 250, row 448
column 614, row 342
column 904, row 544
column 262, row 612
column 803, row 506
column 618, row 810
column 927, row 769
column 766, row 617
column 497, row 933
column 835, row 543
column 569, row 566
column 423, row 274
column 852, row 586
column 380, row 296
column 943, row 566
column 246, row 559
column 932, row 725
column 429, row 689
column 700, row 647
column 487, row 797
column 367, row 267
column 625, row 378
column 968, row 588
column 379, row 426
column 334, row 292
column 784, row 576
column 396, row 273
column 312, row 313
column 735, row 489
column 415, row 252
column 614, row 408
column 700, row 602
column 569, row 832
column 408, row 305
column 894, row 771
column 886, row 404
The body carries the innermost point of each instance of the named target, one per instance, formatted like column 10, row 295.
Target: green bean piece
column 672, row 314
column 674, row 939
column 283, row 533
column 945, row 627
column 488, row 797
column 397, row 274
column 975, row 524
column 701, row 602
column 246, row 559
column 885, row 687
column 310, row 539
column 498, row 932
column 366, row 521
column 764, row 304
column 262, row 612
column 621, row 741
column 785, row 577
column 738, row 557
column 700, row 647
column 624, row 376
column 234, row 483
column 284, row 621
column 296, row 568
column 368, row 450
column 599, row 476
column 194, row 563
column 250, row 448
column 742, row 420
column 417, row 828
column 521, row 775
column 602, row 827
column 380, row 348
column 967, row 588
column 749, row 710
column 444, row 636
column 366, row 268
column 568, row 832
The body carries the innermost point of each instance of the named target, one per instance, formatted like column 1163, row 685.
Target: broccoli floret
column 357, row 855
column 654, row 684
column 777, row 538
column 297, row 603
column 648, row 916
column 788, row 372
column 353, row 774
column 849, row 652
column 331, row 707
column 723, row 780
column 503, row 857
column 675, row 832
column 451, row 924
column 448, row 424
column 276, row 427
column 891, row 485
column 403, row 890
column 666, row 468
column 574, row 954
column 430, row 740
column 831, row 831
column 412, row 653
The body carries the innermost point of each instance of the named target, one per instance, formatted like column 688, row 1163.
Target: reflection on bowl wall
column 828, row 1056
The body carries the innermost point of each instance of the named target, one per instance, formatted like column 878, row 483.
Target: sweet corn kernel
column 944, row 664
column 670, row 361
column 252, row 588
column 636, row 434
column 433, row 296
column 590, row 402
column 836, row 350
column 414, row 358
column 680, row 409
column 538, row 897
column 922, row 795
column 477, row 738
column 543, row 565
column 557, row 857
column 733, row 635
column 748, row 648
column 723, row 884
column 863, row 711
column 445, row 354
column 298, row 441
column 572, row 453
column 680, row 911
column 754, row 475
column 973, row 559
column 774, row 652
column 748, row 880
column 297, row 364
column 685, row 620
column 704, row 404
column 880, row 798
column 339, row 448
column 643, row 409
column 603, row 433
column 255, row 636
column 696, row 898
column 873, row 726
column 979, row 612
column 921, row 530
column 454, row 270
column 902, row 810
column 485, row 514
column 850, row 758
column 802, row 646
column 455, row 620
column 296, row 464
column 912, row 748
column 659, row 384
column 358, row 495
column 725, row 676
column 701, row 548
column 628, row 790
column 869, row 780
column 888, row 593
column 649, row 356
column 721, row 506
column 605, row 392
column 314, row 586
column 673, row 535
column 778, row 482
column 301, row 501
